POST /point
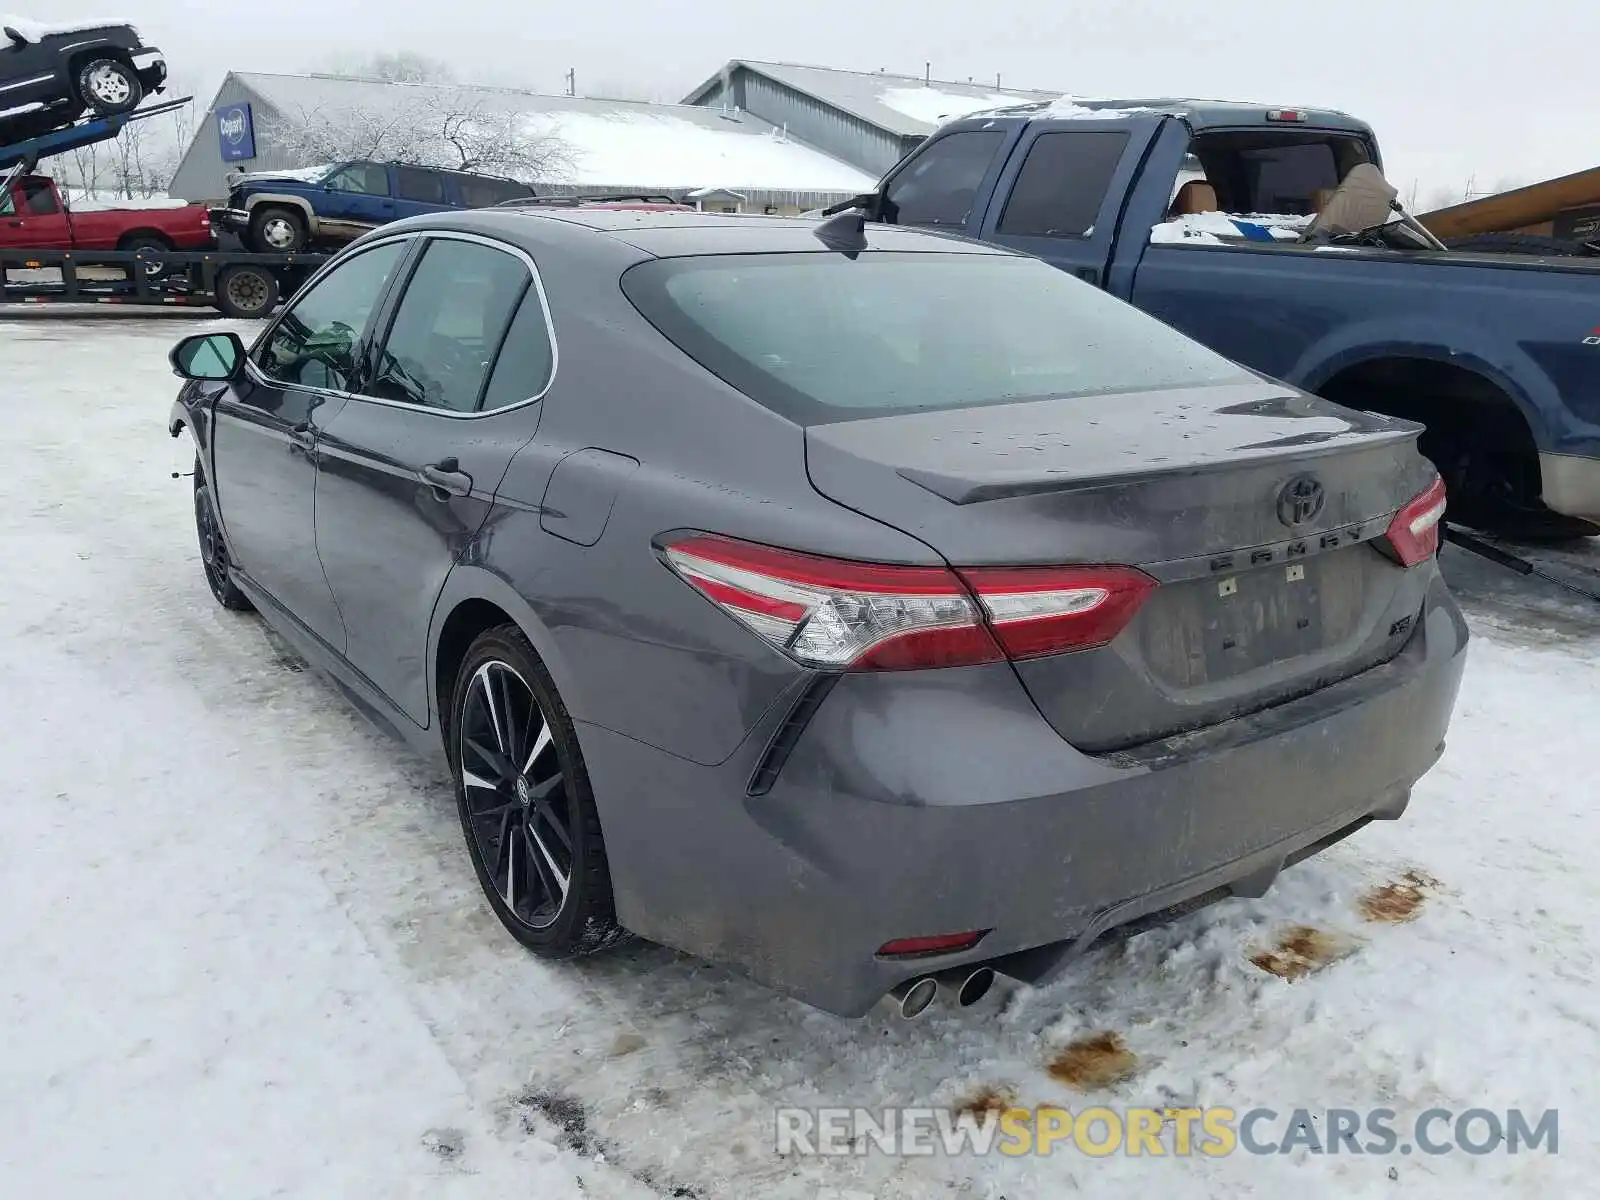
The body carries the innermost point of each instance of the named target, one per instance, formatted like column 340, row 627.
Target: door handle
column 301, row 435
column 447, row 476
column 1088, row 274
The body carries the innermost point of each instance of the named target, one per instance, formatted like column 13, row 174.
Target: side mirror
column 210, row 356
column 16, row 38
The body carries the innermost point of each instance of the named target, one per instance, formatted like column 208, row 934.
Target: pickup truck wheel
column 1499, row 494
column 277, row 230
column 152, row 253
column 246, row 292
column 109, row 86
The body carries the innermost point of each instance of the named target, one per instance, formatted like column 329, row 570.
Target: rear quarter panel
column 633, row 648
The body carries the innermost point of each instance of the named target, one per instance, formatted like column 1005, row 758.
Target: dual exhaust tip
column 965, row 986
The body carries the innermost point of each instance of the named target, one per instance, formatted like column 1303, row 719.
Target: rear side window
column 819, row 338
column 414, row 183
column 478, row 192
column 1062, row 184
column 527, row 357
column 940, row 186
column 449, row 325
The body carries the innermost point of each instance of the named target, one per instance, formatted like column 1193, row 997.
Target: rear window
column 478, row 192
column 820, row 338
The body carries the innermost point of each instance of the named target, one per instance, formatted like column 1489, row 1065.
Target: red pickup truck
column 33, row 216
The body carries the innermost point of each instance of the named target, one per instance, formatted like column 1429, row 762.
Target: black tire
column 1522, row 243
column 499, row 820
column 213, row 551
column 1497, row 492
column 108, row 86
column 275, row 229
column 153, row 250
column 246, row 292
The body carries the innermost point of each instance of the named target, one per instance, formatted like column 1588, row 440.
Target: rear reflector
column 1414, row 532
column 828, row 612
column 943, row 943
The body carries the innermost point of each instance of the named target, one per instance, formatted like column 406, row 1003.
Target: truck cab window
column 940, row 186
column 39, row 198
column 1062, row 184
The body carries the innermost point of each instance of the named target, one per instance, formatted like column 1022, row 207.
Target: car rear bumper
column 937, row 802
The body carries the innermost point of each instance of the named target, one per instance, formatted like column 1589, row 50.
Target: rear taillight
column 1045, row 610
column 829, row 612
column 1414, row 532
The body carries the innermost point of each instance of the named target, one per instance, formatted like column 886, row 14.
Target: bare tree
column 431, row 128
column 501, row 143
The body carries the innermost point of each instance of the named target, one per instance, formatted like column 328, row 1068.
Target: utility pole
column 572, row 81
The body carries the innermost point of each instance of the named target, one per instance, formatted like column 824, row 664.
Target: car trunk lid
column 1260, row 511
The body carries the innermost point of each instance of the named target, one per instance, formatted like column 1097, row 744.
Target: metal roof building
column 867, row 119
column 611, row 145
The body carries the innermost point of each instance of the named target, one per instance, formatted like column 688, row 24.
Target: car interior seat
column 1196, row 196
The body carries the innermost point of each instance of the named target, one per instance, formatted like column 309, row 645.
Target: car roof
column 1199, row 114
column 674, row 233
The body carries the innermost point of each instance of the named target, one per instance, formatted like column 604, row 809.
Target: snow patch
column 1218, row 229
column 305, row 174
column 81, row 202
column 37, row 31
column 931, row 105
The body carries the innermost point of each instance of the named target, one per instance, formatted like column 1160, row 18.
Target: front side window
column 415, row 183
column 940, row 186
column 315, row 341
column 366, row 179
column 449, row 325
column 818, row 338
column 39, row 198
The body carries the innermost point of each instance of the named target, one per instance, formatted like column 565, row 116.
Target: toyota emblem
column 1301, row 500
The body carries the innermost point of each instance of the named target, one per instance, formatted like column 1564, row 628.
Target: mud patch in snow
column 1300, row 950
column 1398, row 901
column 991, row 1098
column 1094, row 1062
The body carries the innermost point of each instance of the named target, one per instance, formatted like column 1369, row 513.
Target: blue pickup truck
column 276, row 211
column 1200, row 212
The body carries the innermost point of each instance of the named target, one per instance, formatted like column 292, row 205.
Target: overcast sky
column 1455, row 90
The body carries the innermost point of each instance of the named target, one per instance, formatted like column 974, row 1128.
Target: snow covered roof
column 613, row 144
column 902, row 104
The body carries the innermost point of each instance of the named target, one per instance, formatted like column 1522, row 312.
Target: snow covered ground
column 243, row 952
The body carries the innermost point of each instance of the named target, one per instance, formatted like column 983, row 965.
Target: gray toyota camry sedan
column 868, row 609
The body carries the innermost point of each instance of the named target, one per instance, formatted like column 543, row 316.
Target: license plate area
column 1206, row 631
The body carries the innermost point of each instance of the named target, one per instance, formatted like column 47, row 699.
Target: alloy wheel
column 107, row 85
column 516, row 798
